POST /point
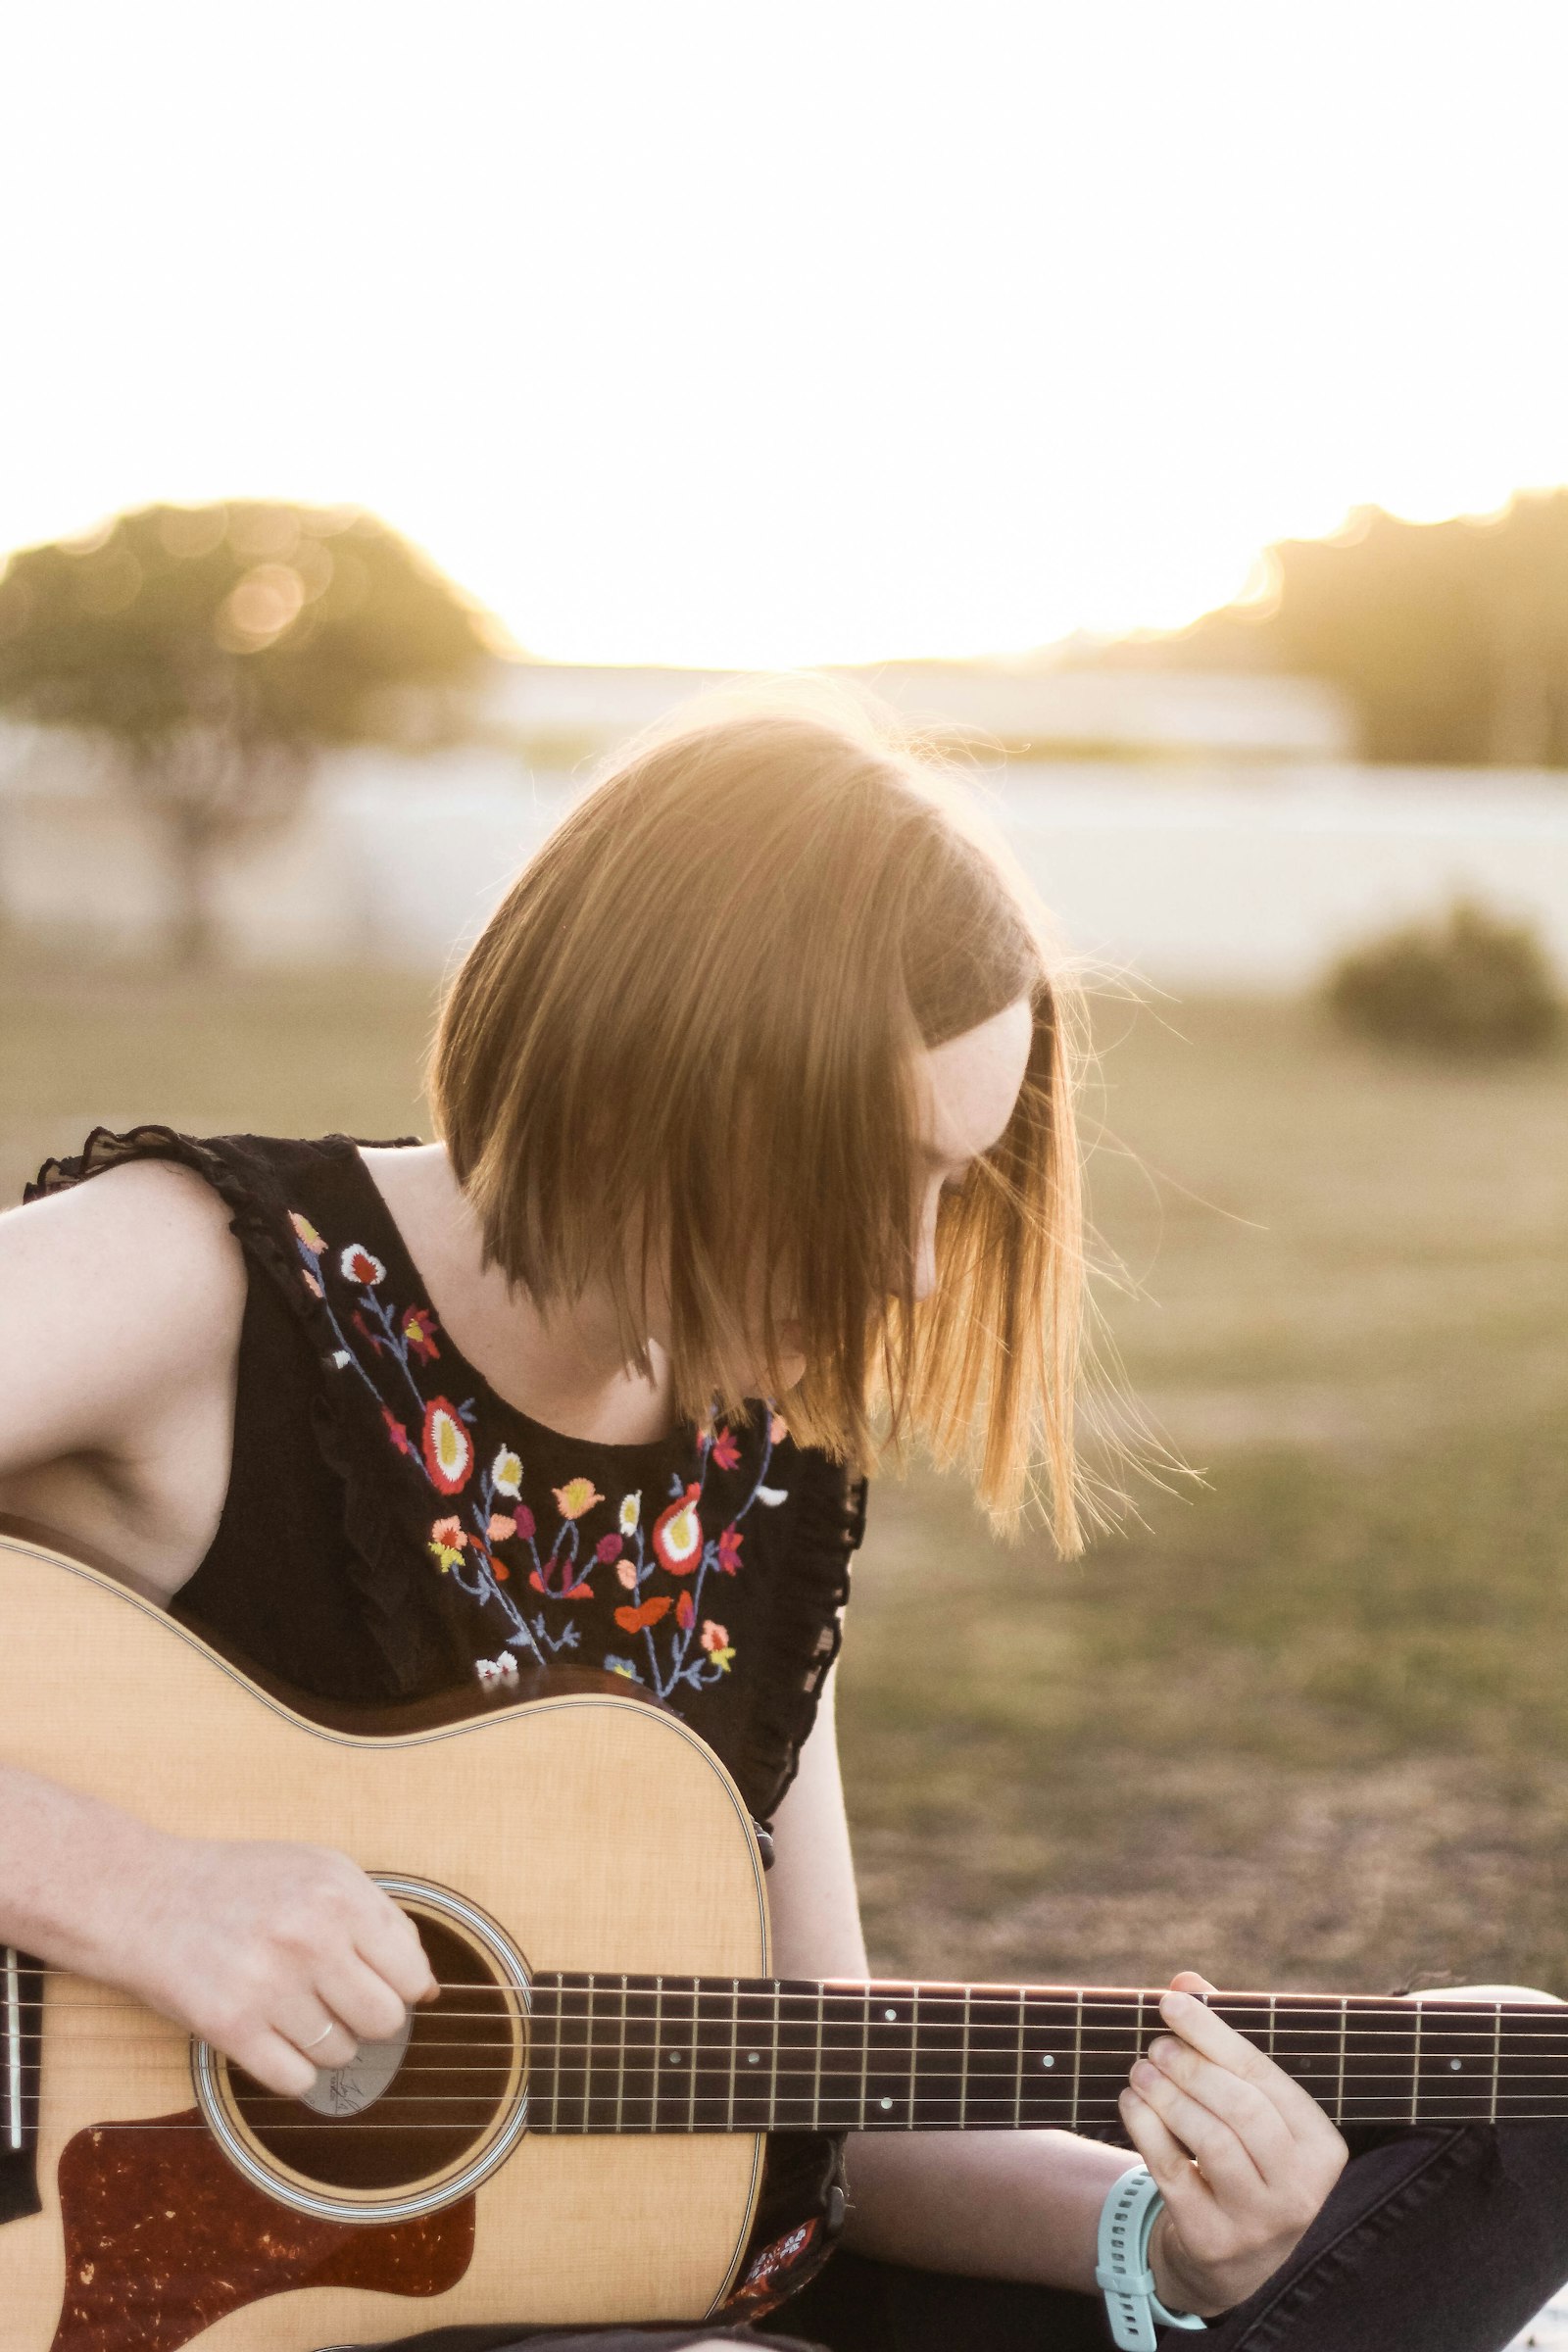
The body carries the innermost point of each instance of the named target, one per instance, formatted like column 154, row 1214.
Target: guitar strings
column 570, row 2061
column 544, row 2031
column 1301, row 2009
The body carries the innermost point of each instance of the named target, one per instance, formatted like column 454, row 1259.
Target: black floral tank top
column 394, row 1529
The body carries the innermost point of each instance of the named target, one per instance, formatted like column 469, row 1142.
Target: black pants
column 1442, row 2240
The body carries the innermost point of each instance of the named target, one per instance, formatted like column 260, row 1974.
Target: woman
column 756, row 1087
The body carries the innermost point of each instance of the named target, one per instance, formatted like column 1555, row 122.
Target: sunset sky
column 723, row 332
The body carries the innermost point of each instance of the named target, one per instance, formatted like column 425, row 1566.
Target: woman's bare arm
column 121, row 1305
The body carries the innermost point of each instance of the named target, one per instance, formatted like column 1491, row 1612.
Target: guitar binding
column 441, row 2125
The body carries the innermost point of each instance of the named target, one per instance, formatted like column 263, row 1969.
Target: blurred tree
column 218, row 648
column 1451, row 638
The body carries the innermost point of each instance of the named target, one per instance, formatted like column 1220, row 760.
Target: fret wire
column 865, row 2055
column 658, row 2054
column 734, row 2042
column 816, row 2076
column 1017, row 2081
column 914, row 2054
column 1077, row 2062
column 1271, row 2025
column 697, row 2007
column 1415, row 2063
column 1345, row 2020
column 587, row 2053
column 1496, row 2061
column 620, row 2058
column 773, row 2086
column 963, row 2064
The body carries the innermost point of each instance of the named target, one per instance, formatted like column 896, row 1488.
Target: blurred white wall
column 1254, row 879
column 1031, row 702
column 1214, row 875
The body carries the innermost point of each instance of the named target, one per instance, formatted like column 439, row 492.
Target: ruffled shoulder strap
column 267, row 1184
column 810, row 1545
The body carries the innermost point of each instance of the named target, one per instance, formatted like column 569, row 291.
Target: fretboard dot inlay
column 754, row 2057
column 1047, row 2062
column 887, row 2103
column 892, row 2016
column 674, row 2057
column 1454, row 2065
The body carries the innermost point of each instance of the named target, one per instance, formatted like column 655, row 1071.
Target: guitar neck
column 704, row 2054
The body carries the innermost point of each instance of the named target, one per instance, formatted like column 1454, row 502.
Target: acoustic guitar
column 573, row 2131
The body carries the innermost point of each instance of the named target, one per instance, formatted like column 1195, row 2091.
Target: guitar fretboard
column 688, row 2054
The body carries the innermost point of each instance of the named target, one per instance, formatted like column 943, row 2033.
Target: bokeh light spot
column 256, row 613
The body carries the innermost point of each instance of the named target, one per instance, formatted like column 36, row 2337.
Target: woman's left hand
column 1243, row 2155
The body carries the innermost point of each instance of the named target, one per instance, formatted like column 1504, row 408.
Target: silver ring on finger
column 306, row 2047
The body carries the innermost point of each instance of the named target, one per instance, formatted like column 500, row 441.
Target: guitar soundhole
column 457, row 2074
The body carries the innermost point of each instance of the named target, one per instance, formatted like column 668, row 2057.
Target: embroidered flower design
column 648, row 1612
column 716, row 1642
column 420, row 1327
column 447, row 1542
column 726, row 1453
column 678, row 1535
column 446, row 1446
column 578, row 1495
column 386, row 1345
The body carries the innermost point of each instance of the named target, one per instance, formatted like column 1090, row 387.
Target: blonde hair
column 683, row 1051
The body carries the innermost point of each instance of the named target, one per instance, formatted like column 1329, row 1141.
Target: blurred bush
column 1466, row 984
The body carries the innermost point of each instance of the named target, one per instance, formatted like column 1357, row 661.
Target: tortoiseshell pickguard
column 163, row 2237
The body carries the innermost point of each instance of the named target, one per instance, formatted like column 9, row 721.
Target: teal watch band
column 1122, row 2273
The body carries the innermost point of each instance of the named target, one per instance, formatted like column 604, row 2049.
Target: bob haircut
column 681, row 1060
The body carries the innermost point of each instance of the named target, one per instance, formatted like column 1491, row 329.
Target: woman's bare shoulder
column 119, row 1296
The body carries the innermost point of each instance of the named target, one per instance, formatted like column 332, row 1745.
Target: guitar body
column 598, row 1832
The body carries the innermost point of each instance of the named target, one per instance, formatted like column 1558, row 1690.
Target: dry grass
column 1305, row 1725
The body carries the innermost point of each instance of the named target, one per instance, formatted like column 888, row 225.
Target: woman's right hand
column 264, row 1950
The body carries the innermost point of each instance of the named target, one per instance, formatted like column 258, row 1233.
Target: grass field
column 1304, row 1721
